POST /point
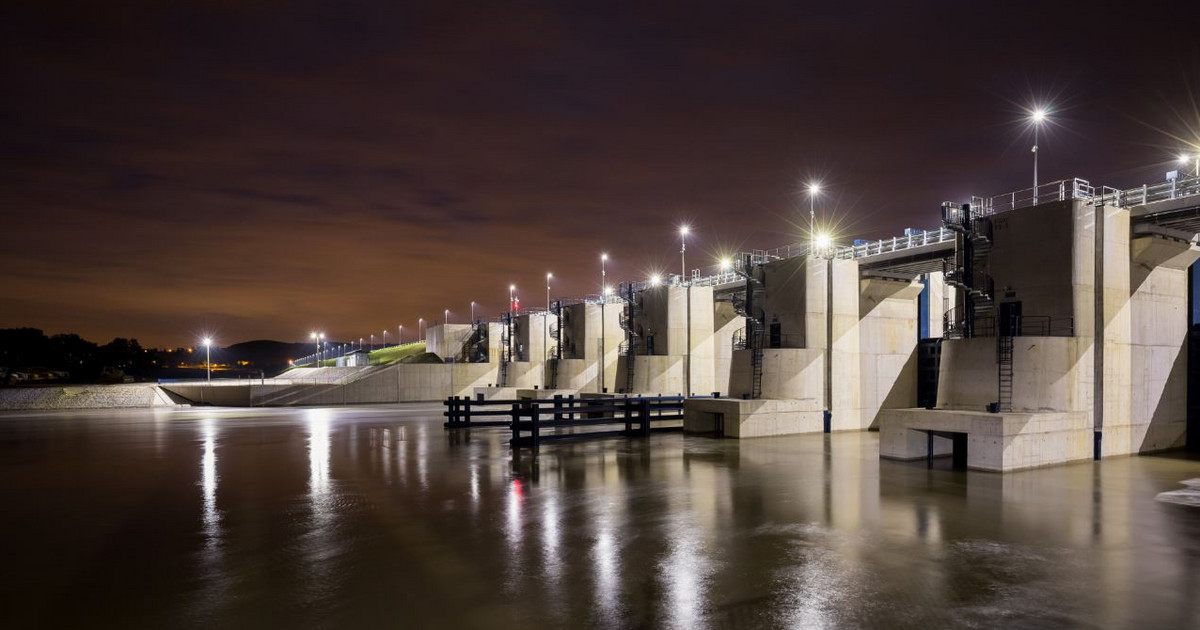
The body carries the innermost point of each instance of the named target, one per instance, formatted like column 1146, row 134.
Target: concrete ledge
column 752, row 418
column 997, row 442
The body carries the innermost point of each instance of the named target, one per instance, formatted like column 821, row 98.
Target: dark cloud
column 260, row 168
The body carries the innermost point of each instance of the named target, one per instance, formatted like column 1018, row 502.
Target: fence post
column 628, row 416
column 535, row 416
column 452, row 411
column 644, row 416
column 558, row 408
column 571, row 407
column 515, row 414
column 466, row 410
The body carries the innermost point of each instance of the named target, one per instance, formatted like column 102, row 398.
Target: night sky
column 259, row 170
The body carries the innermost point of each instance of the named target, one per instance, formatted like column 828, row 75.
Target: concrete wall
column 446, row 340
column 887, row 331
column 1032, row 255
column 725, row 324
column 786, row 297
column 1158, row 338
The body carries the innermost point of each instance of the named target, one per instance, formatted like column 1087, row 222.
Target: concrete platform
column 997, row 442
column 738, row 418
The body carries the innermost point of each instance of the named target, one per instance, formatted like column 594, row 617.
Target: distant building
column 354, row 358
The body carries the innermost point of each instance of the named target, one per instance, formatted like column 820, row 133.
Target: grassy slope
column 383, row 356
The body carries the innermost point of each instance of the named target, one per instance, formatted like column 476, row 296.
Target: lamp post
column 687, row 372
column 603, row 299
column 372, row 342
column 400, row 335
column 683, row 232
column 320, row 347
column 384, row 337
column 317, row 342
column 546, row 321
column 208, row 359
column 446, row 317
column 1185, row 158
column 420, row 323
column 472, row 311
column 814, row 189
column 1037, row 117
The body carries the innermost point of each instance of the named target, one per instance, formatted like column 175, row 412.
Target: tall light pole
column 683, row 232
column 400, row 335
column 472, row 311
column 603, row 299
column 208, row 358
column 546, row 321
column 320, row 347
column 372, row 342
column 446, row 317
column 317, row 342
column 1185, row 158
column 420, row 323
column 384, row 337
column 687, row 372
column 814, row 189
column 1037, row 117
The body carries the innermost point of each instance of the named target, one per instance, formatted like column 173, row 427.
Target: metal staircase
column 506, row 354
column 967, row 270
column 475, row 348
column 628, row 321
column 748, row 304
column 557, row 315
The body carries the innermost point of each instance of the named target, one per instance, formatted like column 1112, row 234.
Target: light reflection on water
column 363, row 517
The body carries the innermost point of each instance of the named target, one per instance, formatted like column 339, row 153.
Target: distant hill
column 265, row 353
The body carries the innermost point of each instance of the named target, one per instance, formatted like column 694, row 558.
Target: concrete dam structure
column 1031, row 328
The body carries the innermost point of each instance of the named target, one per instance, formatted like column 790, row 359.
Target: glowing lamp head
column 321, row 336
column 549, row 275
column 608, row 290
column 823, row 241
column 726, row 263
column 603, row 257
column 684, row 230
column 312, row 335
column 207, row 342
column 512, row 287
column 1184, row 158
column 1038, row 116
column 655, row 280
column 814, row 188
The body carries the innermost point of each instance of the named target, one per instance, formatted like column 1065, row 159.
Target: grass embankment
column 383, row 356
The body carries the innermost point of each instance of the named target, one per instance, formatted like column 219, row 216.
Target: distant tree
column 21, row 347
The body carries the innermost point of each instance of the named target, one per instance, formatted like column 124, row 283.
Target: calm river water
column 376, row 517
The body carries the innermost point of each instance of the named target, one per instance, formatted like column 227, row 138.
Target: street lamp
column 420, row 322
column 655, row 280
column 683, row 232
column 1185, row 158
column 315, row 340
column 603, row 298
column 207, row 358
column 814, row 189
column 1037, row 117
column 384, row 337
column 472, row 311
column 320, row 347
column 512, row 289
column 372, row 342
column 400, row 335
column 546, row 321
column 446, row 317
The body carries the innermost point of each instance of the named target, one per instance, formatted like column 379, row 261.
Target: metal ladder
column 1004, row 370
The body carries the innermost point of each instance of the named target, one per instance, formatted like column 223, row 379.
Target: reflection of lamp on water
column 207, row 355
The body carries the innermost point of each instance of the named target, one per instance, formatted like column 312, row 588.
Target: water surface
column 376, row 517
